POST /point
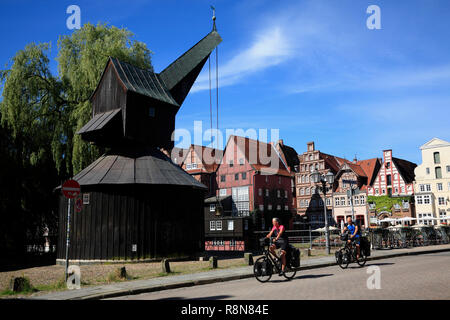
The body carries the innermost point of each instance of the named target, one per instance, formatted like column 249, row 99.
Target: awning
column 99, row 121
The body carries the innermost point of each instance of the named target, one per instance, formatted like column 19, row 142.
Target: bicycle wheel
column 263, row 269
column 345, row 260
column 362, row 259
column 289, row 272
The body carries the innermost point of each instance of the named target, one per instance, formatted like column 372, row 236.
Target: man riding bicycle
column 354, row 235
column 281, row 241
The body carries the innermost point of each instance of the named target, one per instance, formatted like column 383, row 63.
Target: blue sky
column 311, row 69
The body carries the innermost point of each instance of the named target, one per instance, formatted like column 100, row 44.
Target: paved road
column 410, row 277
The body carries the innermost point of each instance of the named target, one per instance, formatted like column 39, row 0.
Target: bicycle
column 264, row 266
column 347, row 254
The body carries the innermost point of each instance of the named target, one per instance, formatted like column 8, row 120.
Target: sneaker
column 281, row 273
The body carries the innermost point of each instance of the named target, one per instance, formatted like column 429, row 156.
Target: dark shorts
column 356, row 240
column 281, row 243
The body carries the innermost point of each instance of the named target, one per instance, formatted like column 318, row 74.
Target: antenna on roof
column 214, row 18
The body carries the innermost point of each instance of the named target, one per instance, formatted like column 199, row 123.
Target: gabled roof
column 435, row 143
column 289, row 155
column 405, row 168
column 144, row 82
column 370, row 167
column 253, row 149
column 207, row 155
column 333, row 162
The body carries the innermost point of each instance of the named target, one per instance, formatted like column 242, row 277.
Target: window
column 267, row 192
column 302, row 191
column 219, row 225
column 388, row 165
column 320, row 202
column 356, row 200
column 383, row 178
column 278, row 194
column 307, row 190
column 222, row 192
column 442, row 214
column 306, row 203
column 389, row 180
column 230, row 225
column 222, row 178
column 212, row 225
column 441, row 201
column 362, row 199
column 286, row 208
column 278, row 207
column 428, row 170
column 269, row 207
column 448, row 169
column 403, row 189
column 212, row 208
column 422, row 187
column 383, row 191
column 261, row 207
column 377, row 191
column 449, row 186
column 236, row 176
column 151, row 112
column 244, row 175
column 426, row 199
column 279, row 180
column 241, row 162
column 419, row 200
column 438, row 172
column 285, row 194
column 342, row 201
column 328, row 201
column 396, row 190
column 437, row 158
column 86, row 198
column 439, row 187
column 428, row 187
column 231, row 163
column 337, row 202
column 260, row 192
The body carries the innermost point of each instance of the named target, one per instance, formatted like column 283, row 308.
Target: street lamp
column 316, row 177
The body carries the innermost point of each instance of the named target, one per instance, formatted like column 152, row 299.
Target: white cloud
column 270, row 48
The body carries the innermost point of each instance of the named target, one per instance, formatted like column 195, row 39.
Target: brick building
column 253, row 173
column 201, row 163
column 309, row 200
column 395, row 179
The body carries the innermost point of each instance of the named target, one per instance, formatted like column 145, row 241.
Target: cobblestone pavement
column 408, row 277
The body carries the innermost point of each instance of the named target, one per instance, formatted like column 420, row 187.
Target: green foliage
column 385, row 203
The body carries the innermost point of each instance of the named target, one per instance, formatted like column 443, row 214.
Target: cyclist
column 354, row 235
column 281, row 241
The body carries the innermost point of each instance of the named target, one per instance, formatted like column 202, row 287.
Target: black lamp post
column 316, row 177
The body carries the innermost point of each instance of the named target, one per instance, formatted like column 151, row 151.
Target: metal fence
column 408, row 237
column 380, row 238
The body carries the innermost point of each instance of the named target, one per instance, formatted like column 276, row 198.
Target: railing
column 408, row 237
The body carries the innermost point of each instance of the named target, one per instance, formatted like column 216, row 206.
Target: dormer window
column 151, row 112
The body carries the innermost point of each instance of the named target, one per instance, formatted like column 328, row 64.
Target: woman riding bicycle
column 281, row 241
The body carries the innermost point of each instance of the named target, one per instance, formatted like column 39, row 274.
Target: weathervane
column 214, row 18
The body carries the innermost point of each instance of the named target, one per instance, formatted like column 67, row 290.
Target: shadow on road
column 306, row 276
column 202, row 298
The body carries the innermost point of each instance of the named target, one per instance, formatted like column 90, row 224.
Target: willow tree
column 82, row 57
column 30, row 111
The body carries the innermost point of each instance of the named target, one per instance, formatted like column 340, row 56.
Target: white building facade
column 432, row 183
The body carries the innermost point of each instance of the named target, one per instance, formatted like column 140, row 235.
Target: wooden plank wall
column 163, row 221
